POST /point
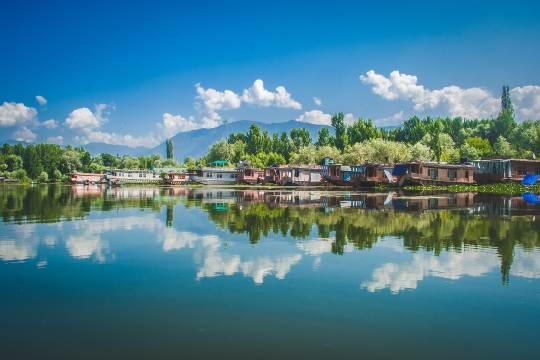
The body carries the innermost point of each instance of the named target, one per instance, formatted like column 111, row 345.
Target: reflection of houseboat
column 87, row 178
column 117, row 177
column 215, row 176
column 177, row 178
column 504, row 170
column 426, row 173
column 250, row 175
column 299, row 175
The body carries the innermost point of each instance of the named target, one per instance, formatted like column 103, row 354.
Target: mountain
column 195, row 143
column 98, row 148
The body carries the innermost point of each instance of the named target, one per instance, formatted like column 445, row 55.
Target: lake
column 144, row 272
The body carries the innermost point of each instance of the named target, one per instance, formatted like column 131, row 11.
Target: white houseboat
column 118, row 177
column 215, row 176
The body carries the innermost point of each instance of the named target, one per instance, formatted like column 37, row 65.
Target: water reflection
column 267, row 233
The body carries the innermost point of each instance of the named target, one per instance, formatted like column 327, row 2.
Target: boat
column 298, row 175
column 250, row 175
column 488, row 171
column 87, row 178
column 178, row 177
column 371, row 174
column 431, row 173
column 215, row 176
column 119, row 177
column 340, row 175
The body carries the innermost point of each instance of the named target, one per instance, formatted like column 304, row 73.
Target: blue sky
column 127, row 73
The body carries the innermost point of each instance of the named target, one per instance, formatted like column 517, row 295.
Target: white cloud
column 526, row 100
column 316, row 117
column 50, row 124
column 317, row 101
column 394, row 119
column 12, row 114
column 41, row 100
column 86, row 120
column 117, row 139
column 24, row 134
column 472, row 102
column 59, row 140
column 173, row 124
column 258, row 95
column 213, row 101
column 349, row 118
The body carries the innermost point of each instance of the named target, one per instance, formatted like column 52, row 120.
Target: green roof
column 219, row 162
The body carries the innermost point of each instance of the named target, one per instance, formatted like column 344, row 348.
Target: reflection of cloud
column 526, row 264
column 21, row 245
column 176, row 240
column 258, row 268
column 316, row 247
column 451, row 265
column 85, row 245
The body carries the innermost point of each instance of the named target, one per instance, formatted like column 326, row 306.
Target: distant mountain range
column 195, row 143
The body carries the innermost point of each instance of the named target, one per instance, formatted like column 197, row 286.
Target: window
column 208, row 175
column 219, row 176
column 466, row 174
column 433, row 173
column 296, row 173
column 234, row 176
column 452, row 174
column 522, row 171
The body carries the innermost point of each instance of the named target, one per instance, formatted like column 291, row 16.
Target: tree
column 482, row 146
column 502, row 125
column 503, row 148
column 31, row 162
column 43, row 177
column 338, row 123
column 254, row 140
column 13, row 162
column 57, row 175
column 300, row 138
column 506, row 101
column 324, row 138
column 169, row 148
column 221, row 150
column 362, row 130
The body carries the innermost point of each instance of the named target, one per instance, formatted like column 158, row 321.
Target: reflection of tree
column 434, row 231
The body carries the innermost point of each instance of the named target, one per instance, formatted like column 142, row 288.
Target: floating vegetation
column 501, row 189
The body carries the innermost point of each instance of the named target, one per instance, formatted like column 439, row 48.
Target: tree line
column 428, row 139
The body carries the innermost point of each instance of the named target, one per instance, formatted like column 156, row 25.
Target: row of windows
column 220, row 176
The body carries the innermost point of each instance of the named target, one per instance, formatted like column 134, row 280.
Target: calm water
column 220, row 273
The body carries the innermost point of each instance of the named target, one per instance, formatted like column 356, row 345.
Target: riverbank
column 499, row 189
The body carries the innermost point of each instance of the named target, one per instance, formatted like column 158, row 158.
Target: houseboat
column 250, row 175
column 215, row 176
column 371, row 174
column 87, row 178
column 178, row 177
column 299, row 175
column 504, row 170
column 429, row 173
column 118, row 177
column 340, row 175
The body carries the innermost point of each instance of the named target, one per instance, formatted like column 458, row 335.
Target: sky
column 136, row 73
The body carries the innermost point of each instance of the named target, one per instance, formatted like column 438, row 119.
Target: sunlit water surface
column 89, row 272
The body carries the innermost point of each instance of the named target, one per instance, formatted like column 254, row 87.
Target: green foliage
column 300, row 138
column 43, row 177
column 362, row 130
column 503, row 148
column 324, row 138
column 264, row 159
column 169, row 148
column 377, row 150
column 338, row 123
column 482, row 146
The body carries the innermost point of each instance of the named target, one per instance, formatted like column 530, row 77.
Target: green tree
column 300, row 138
column 362, row 130
column 254, row 140
column 506, row 101
column 43, row 177
column 324, row 138
column 482, row 146
column 503, row 148
column 169, row 148
column 338, row 123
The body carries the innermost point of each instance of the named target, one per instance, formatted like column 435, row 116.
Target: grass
column 500, row 189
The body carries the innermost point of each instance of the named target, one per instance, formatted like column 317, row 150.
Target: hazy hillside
column 195, row 143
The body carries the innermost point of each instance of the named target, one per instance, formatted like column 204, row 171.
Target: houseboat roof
column 442, row 165
column 213, row 169
column 532, row 161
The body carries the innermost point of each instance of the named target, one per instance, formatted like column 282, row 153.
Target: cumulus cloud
column 317, row 101
column 59, row 140
column 12, row 114
column 25, row 134
column 472, row 102
column 86, row 119
column 41, row 100
column 50, row 124
column 211, row 101
column 173, row 124
column 526, row 101
column 316, row 117
column 394, row 119
column 258, row 95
